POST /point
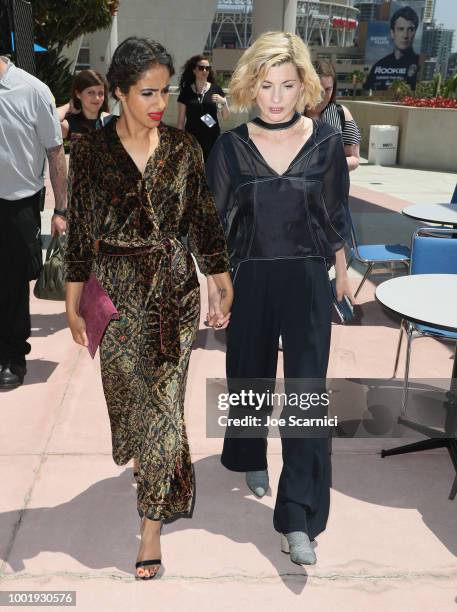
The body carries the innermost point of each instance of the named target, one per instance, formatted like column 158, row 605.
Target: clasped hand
column 219, row 305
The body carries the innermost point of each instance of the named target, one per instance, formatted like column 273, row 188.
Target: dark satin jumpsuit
column 283, row 232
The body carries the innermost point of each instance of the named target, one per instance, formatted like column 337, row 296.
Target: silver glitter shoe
column 258, row 482
column 298, row 545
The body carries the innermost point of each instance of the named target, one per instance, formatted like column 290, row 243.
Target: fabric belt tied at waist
column 170, row 344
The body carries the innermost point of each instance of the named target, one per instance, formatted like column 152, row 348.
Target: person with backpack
column 336, row 114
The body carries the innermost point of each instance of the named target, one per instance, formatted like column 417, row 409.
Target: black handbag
column 51, row 282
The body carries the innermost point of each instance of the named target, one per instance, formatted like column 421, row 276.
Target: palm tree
column 399, row 89
column 450, row 87
column 356, row 77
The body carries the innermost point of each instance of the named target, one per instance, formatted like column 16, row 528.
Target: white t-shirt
column 29, row 125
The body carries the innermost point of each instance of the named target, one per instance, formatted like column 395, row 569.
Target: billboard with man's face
column 392, row 48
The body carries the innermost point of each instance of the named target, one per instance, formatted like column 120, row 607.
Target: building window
column 83, row 61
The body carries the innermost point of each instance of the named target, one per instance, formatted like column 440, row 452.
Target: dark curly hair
column 132, row 58
column 188, row 76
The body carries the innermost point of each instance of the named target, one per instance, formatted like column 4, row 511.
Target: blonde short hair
column 272, row 49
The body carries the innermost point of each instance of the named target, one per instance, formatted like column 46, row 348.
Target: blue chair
column 371, row 255
column 432, row 252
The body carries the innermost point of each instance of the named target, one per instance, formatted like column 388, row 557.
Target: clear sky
column 446, row 13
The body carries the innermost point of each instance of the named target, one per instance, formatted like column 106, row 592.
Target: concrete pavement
column 67, row 512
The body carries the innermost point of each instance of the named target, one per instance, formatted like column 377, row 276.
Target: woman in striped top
column 335, row 114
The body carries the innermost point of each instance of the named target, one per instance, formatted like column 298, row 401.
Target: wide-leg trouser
column 291, row 298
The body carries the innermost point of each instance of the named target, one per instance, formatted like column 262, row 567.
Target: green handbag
column 51, row 283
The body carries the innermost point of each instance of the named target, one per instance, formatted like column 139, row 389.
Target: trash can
column 382, row 149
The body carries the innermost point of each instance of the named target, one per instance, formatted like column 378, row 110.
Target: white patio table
column 429, row 299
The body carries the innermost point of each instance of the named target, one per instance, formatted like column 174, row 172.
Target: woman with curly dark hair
column 137, row 195
column 199, row 101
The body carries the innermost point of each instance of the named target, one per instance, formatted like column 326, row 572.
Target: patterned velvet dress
column 136, row 233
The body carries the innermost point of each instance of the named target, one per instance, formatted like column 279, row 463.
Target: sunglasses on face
column 202, row 67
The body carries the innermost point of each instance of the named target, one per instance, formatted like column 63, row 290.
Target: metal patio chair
column 372, row 255
column 432, row 252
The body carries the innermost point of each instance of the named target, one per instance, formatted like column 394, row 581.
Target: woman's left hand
column 343, row 287
column 341, row 276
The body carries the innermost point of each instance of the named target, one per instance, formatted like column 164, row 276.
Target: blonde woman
column 281, row 187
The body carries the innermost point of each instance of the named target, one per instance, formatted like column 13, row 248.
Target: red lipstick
column 155, row 116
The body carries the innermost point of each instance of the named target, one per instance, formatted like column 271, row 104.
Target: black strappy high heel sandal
column 147, row 562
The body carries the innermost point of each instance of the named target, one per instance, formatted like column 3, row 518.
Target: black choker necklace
column 277, row 126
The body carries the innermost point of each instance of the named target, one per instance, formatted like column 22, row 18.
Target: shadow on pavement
column 374, row 314
column 39, row 370
column 46, row 324
column 210, row 340
column 99, row 527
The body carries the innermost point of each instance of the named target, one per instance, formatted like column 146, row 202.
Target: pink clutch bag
column 97, row 310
